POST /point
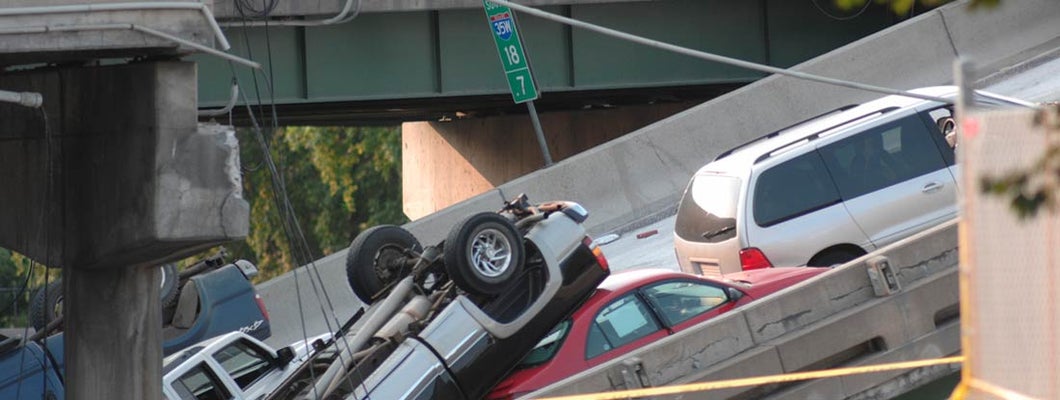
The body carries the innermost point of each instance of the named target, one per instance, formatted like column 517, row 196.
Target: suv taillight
column 752, row 258
column 599, row 254
column 261, row 306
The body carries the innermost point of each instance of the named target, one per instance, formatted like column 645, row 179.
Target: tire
column 47, row 304
column 484, row 253
column 370, row 261
column 833, row 258
column 43, row 310
column 168, row 290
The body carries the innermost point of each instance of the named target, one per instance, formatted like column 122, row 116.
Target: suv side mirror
column 284, row 355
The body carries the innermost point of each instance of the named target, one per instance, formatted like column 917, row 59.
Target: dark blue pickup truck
column 209, row 304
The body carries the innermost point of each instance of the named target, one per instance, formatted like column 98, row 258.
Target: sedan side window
column 679, row 301
column 200, row 383
column 623, row 321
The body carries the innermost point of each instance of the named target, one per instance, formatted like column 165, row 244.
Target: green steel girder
column 450, row 54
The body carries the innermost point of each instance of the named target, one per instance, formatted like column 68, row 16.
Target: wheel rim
column 162, row 283
column 384, row 262
column 491, row 253
column 57, row 309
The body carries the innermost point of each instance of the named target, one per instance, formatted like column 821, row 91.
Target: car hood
column 761, row 282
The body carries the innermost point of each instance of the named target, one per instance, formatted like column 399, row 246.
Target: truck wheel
column 47, row 304
column 376, row 259
column 43, row 310
column 168, row 290
column 483, row 253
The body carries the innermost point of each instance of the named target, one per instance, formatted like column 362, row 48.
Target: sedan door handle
column 931, row 187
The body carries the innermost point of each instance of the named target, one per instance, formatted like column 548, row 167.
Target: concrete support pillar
column 115, row 170
column 112, row 175
column 113, row 333
column 444, row 163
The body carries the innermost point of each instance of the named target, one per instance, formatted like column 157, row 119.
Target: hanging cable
column 301, row 245
column 44, row 224
column 245, row 7
column 289, row 223
column 342, row 17
column 445, row 365
column 841, row 18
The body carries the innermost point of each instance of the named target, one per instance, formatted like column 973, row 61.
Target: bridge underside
column 422, row 65
column 438, row 73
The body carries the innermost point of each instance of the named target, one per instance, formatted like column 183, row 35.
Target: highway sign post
column 516, row 67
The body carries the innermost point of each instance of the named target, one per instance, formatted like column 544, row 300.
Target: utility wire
column 292, row 227
column 842, row 18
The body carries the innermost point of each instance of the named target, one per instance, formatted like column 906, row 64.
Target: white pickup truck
column 232, row 366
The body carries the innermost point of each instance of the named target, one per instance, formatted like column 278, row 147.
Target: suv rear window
column 793, row 188
column 708, row 209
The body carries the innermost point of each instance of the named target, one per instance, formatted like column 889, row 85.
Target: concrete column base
column 444, row 163
column 113, row 333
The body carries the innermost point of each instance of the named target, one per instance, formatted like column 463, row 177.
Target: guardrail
column 850, row 316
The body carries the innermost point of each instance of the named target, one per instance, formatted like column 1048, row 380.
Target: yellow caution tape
column 989, row 388
column 761, row 380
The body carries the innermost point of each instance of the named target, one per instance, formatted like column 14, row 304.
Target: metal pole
column 539, row 133
column 964, row 77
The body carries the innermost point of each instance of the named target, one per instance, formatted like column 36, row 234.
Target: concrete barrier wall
column 832, row 320
column 642, row 174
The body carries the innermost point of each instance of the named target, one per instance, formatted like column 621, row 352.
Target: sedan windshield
column 547, row 347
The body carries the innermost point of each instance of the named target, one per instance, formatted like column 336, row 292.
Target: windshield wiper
column 708, row 235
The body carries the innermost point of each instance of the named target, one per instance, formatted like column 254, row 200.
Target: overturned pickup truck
column 451, row 320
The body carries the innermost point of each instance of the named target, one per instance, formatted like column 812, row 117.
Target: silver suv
column 826, row 190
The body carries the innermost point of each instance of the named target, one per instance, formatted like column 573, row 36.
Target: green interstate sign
column 510, row 49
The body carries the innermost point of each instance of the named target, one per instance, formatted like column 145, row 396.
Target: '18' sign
column 510, row 49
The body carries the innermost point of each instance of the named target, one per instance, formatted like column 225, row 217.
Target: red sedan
column 634, row 308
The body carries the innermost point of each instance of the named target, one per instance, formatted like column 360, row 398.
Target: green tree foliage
column 15, row 289
column 339, row 180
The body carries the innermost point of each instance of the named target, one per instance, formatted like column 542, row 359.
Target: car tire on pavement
column 484, row 254
column 373, row 261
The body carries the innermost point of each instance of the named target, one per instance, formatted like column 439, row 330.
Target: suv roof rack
column 778, row 131
column 817, row 134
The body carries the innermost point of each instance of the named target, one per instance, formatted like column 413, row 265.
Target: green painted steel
column 440, row 54
column 730, row 28
column 510, row 49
